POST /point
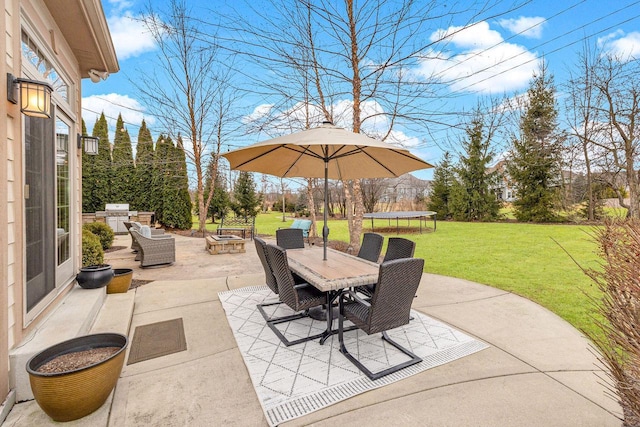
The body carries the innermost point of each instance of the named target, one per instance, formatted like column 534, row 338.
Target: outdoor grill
column 116, row 215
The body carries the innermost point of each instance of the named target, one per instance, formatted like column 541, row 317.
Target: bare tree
column 189, row 90
column 582, row 118
column 372, row 189
column 606, row 107
column 357, row 56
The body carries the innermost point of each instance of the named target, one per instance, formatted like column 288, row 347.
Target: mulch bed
column 77, row 359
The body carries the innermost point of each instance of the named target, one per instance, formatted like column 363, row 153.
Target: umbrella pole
column 325, row 229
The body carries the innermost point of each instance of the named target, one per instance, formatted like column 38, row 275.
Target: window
column 47, row 71
column 63, row 191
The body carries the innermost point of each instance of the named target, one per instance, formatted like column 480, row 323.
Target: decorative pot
column 73, row 394
column 121, row 281
column 94, row 276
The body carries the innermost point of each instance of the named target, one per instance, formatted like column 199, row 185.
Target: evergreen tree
column 246, row 201
column 220, row 200
column 472, row 198
column 176, row 201
column 534, row 159
column 161, row 169
column 123, row 172
column 143, row 170
column 87, row 177
column 96, row 180
column 440, row 194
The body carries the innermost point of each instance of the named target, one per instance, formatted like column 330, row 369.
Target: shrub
column 92, row 253
column 619, row 243
column 103, row 231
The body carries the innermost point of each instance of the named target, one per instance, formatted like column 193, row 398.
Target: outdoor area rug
column 157, row 339
column 293, row 381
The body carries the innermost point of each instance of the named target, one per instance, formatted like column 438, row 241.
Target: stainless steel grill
column 116, row 215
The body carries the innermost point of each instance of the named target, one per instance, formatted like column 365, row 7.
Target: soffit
column 84, row 26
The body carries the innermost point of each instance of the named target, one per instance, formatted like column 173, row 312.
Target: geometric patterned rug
column 293, row 381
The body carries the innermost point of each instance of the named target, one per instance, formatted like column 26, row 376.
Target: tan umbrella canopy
column 327, row 152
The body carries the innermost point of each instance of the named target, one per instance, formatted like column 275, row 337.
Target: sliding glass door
column 39, row 200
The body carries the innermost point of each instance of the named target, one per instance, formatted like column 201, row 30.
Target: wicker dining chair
column 290, row 238
column 154, row 250
column 270, row 281
column 388, row 308
column 398, row 248
column 299, row 297
column 371, row 247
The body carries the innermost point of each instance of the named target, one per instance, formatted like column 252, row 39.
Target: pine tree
column 246, row 201
column 472, row 199
column 97, row 181
column 176, row 201
column 160, row 170
column 123, row 172
column 220, row 200
column 87, row 177
column 440, row 194
column 534, row 160
column 143, row 170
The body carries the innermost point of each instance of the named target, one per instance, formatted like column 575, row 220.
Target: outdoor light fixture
column 96, row 75
column 35, row 97
column 90, row 144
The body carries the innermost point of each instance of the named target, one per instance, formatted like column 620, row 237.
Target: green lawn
column 526, row 259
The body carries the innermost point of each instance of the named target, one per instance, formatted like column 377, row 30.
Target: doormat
column 157, row 339
column 294, row 381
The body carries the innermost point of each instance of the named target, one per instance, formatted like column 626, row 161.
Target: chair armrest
column 348, row 293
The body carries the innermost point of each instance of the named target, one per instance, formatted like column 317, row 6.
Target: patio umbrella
column 327, row 152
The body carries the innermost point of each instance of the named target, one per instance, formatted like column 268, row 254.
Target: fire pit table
column 224, row 244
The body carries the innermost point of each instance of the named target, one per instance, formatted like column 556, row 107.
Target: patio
column 538, row 369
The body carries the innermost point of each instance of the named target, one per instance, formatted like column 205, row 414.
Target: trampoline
column 420, row 215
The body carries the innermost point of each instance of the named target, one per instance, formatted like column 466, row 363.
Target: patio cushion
column 145, row 230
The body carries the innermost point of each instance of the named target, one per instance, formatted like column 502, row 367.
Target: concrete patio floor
column 539, row 370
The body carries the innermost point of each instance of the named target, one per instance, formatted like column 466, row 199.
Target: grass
column 526, row 259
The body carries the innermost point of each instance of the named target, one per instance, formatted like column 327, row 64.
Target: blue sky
column 492, row 57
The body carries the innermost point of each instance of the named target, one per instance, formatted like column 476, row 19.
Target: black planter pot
column 94, row 276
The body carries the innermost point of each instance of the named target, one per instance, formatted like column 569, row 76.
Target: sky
column 494, row 56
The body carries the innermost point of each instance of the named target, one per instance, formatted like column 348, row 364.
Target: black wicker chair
column 270, row 280
column 371, row 247
column 399, row 248
column 389, row 308
column 299, row 297
column 290, row 238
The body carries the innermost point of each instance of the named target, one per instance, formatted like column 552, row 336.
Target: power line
column 543, row 44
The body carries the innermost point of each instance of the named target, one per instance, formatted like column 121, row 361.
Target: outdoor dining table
column 339, row 271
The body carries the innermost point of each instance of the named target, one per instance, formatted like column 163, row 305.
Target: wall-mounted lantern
column 90, row 144
column 35, row 96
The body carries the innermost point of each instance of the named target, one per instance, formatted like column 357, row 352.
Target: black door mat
column 157, row 339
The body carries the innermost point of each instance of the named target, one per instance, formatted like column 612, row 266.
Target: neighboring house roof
column 85, row 29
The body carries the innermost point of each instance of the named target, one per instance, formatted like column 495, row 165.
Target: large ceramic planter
column 121, row 281
column 94, row 276
column 73, row 394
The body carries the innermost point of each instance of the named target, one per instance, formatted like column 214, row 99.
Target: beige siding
column 11, row 232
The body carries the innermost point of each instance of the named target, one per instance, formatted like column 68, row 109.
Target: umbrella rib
column 363, row 151
column 305, row 152
column 258, row 156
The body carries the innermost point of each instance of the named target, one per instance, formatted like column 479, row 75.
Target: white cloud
column 129, row 35
column 274, row 123
column 623, row 47
column 120, row 5
column 479, row 61
column 113, row 104
column 473, row 37
column 527, row 26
